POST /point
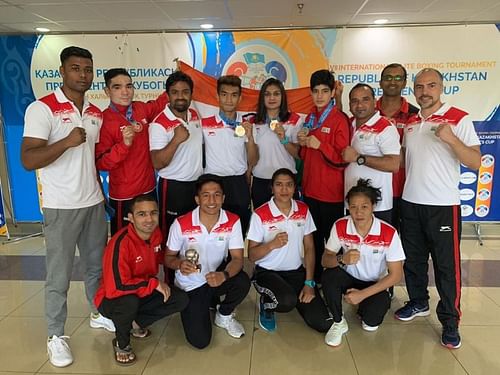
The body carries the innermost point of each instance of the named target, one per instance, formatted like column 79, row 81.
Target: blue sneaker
column 451, row 338
column 411, row 310
column 267, row 319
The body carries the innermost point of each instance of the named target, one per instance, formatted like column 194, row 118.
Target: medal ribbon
column 312, row 125
column 128, row 113
column 230, row 122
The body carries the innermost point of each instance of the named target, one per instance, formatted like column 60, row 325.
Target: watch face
column 361, row 160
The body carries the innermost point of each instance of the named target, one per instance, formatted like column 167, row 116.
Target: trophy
column 193, row 256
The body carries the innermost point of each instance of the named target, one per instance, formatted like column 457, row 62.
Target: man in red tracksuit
column 130, row 294
column 324, row 136
column 123, row 147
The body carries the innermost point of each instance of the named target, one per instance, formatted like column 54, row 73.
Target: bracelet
column 284, row 141
column 310, row 283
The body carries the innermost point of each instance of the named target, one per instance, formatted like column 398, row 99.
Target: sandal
column 124, row 357
column 140, row 333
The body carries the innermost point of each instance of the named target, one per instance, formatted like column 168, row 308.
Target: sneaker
column 99, row 321
column 334, row 335
column 231, row 325
column 267, row 319
column 59, row 351
column 368, row 328
column 411, row 310
column 451, row 338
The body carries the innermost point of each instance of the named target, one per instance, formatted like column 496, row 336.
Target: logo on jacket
column 157, row 249
column 445, row 228
column 138, row 259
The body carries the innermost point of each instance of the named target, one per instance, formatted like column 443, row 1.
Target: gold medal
column 239, row 131
column 305, row 131
column 274, row 124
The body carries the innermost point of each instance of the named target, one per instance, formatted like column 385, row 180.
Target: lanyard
column 230, row 122
column 312, row 118
column 128, row 113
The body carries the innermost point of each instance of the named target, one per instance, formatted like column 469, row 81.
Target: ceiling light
column 42, row 29
column 380, row 21
column 207, row 26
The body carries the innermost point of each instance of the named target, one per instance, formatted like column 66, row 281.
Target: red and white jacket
column 131, row 171
column 130, row 265
column 323, row 176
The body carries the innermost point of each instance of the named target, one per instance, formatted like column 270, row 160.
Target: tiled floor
column 396, row 348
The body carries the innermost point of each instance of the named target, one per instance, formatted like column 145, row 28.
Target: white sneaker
column 231, row 325
column 99, row 321
column 59, row 351
column 334, row 335
column 368, row 328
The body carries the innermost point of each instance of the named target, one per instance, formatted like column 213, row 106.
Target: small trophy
column 193, row 256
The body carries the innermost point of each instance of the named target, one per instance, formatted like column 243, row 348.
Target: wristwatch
column 340, row 259
column 285, row 141
column 361, row 160
column 310, row 283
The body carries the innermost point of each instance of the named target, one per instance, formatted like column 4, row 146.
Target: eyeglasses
column 393, row 78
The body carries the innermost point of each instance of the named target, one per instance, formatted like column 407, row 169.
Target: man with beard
column 175, row 142
column 437, row 141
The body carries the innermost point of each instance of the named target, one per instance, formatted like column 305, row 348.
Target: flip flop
column 131, row 358
column 140, row 333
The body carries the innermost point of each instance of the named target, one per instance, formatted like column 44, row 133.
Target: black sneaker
column 450, row 338
column 411, row 310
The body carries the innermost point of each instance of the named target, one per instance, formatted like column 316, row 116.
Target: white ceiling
column 65, row 16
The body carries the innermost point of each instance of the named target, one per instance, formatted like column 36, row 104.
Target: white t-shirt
column 432, row 168
column 70, row 181
column 186, row 165
column 381, row 245
column 267, row 221
column 225, row 152
column 377, row 137
column 187, row 232
column 272, row 154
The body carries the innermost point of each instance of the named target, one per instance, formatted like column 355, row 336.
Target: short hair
column 205, row 179
column 112, row 73
column 74, row 51
column 322, row 77
column 425, row 70
column 178, row 76
column 283, row 114
column 229, row 80
column 395, row 65
column 283, row 172
column 364, row 187
column 148, row 197
column 361, row 85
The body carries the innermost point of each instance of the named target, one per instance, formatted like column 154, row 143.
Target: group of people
column 393, row 167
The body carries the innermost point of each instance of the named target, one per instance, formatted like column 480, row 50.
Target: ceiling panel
column 398, row 6
column 195, row 9
column 11, row 14
column 59, row 13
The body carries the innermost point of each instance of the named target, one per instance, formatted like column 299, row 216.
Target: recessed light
column 42, row 29
column 207, row 26
column 380, row 21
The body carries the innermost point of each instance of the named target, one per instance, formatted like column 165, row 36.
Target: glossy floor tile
column 396, row 348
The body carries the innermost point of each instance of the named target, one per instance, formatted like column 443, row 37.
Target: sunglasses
column 397, row 78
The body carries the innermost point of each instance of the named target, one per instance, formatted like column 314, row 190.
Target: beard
column 180, row 105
